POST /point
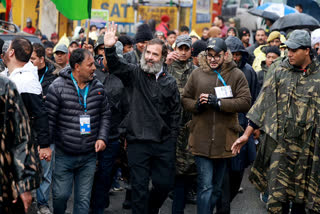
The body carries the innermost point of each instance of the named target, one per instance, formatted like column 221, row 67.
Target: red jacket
column 163, row 27
column 30, row 30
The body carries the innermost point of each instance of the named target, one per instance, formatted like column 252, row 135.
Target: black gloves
column 199, row 106
column 213, row 101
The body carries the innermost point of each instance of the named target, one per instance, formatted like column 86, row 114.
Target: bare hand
column 100, row 145
column 204, row 98
column 26, row 198
column 45, row 153
column 173, row 56
column 110, row 38
column 236, row 147
column 256, row 134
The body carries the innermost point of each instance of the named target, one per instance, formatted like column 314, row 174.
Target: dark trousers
column 103, row 177
column 183, row 183
column 230, row 188
column 155, row 160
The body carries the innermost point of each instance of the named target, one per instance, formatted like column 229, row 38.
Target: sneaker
column 43, row 209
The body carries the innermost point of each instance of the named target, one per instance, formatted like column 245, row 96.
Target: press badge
column 223, row 92
column 85, row 124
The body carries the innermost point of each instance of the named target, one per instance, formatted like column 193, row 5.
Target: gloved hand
column 213, row 102
column 199, row 106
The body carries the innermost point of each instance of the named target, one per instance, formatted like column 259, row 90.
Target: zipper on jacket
column 213, row 126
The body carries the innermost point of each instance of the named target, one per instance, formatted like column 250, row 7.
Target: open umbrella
column 264, row 14
column 277, row 8
column 295, row 21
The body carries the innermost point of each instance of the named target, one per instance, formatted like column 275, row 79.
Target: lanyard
column 43, row 75
column 220, row 78
column 85, row 93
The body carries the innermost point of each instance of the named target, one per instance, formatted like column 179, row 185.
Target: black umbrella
column 264, row 14
column 295, row 21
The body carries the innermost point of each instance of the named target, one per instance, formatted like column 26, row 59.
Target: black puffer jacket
column 64, row 112
column 235, row 45
column 117, row 98
column 154, row 113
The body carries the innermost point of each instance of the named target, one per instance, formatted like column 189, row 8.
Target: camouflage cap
column 217, row 44
column 298, row 38
column 183, row 40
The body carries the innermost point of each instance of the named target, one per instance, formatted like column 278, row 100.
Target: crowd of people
column 187, row 113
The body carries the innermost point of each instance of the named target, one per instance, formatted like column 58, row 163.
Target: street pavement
column 247, row 202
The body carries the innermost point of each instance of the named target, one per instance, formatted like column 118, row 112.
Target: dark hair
column 90, row 42
column 48, row 44
column 205, row 28
column 39, row 49
column 171, row 32
column 221, row 18
column 77, row 57
column 92, row 26
column 125, row 40
column 273, row 49
column 1, row 44
column 184, row 28
column 260, row 29
column 22, row 48
column 157, row 41
column 299, row 5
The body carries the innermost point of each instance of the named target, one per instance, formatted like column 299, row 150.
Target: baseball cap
column 298, row 38
column 197, row 47
column 273, row 35
column 183, row 40
column 217, row 44
column 74, row 41
column 29, row 19
column 62, row 48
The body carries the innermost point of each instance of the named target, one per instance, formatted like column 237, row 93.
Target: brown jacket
column 212, row 133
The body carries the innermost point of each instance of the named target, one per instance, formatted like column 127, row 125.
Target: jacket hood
column 235, row 45
column 65, row 72
column 227, row 65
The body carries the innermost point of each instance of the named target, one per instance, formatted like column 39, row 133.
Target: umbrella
column 295, row 21
column 277, row 8
column 264, row 14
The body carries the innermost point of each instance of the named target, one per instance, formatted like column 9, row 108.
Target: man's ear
column 226, row 54
column 42, row 59
column 77, row 67
column 11, row 52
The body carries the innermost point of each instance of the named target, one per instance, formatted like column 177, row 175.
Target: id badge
column 85, row 124
column 223, row 92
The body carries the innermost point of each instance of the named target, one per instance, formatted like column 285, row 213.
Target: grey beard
column 153, row 69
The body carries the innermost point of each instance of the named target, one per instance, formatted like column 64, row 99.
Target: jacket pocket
column 232, row 134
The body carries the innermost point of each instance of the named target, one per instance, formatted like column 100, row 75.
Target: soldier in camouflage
column 180, row 67
column 287, row 163
column 19, row 162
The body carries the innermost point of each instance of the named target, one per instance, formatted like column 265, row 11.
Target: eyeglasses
column 216, row 57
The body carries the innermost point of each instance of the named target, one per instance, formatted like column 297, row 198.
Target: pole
column 178, row 15
column 22, row 14
column 88, row 29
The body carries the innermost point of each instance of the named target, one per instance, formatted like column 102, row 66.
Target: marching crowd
column 181, row 115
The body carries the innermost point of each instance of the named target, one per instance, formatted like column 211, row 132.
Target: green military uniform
column 287, row 110
column 19, row 160
column 185, row 164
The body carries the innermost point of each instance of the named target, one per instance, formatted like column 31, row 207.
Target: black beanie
column 273, row 49
column 144, row 33
column 243, row 31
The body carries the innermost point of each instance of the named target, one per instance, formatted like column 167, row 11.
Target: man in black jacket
column 24, row 74
column 115, row 92
column 79, row 117
column 152, row 122
column 46, row 77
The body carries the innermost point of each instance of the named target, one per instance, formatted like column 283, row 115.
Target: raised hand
column 110, row 38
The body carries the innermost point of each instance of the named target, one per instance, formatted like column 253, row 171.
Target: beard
column 151, row 69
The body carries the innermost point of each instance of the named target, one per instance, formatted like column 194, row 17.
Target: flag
column 6, row 4
column 74, row 9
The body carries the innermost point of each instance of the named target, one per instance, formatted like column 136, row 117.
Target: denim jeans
column 182, row 184
column 210, row 178
column 77, row 170
column 43, row 192
column 103, row 176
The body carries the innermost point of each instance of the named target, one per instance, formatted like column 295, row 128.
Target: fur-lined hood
column 227, row 66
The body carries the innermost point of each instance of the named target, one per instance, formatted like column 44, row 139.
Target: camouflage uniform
column 19, row 160
column 287, row 163
column 185, row 164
